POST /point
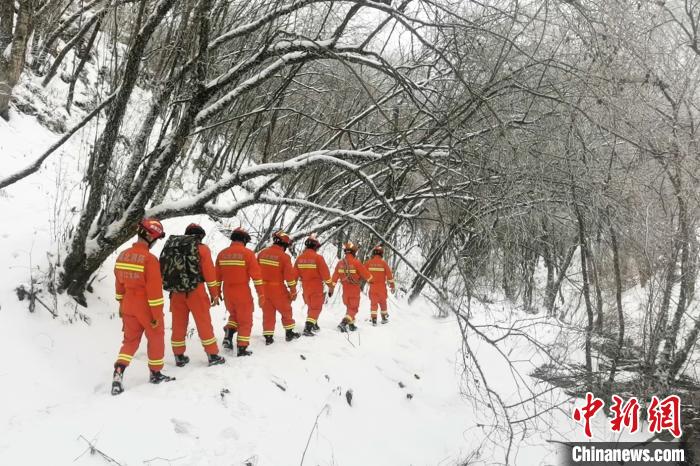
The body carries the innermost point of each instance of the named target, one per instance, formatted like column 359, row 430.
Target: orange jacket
column 206, row 266
column 350, row 270
column 236, row 264
column 138, row 282
column 381, row 272
column 276, row 267
column 312, row 269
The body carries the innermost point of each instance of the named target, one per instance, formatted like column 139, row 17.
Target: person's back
column 313, row 273
column 277, row 271
column 198, row 303
column 138, row 285
column 235, row 267
column 381, row 275
column 350, row 271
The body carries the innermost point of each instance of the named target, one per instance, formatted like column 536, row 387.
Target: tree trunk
column 77, row 261
column 11, row 68
column 587, row 297
column 552, row 293
column 620, row 314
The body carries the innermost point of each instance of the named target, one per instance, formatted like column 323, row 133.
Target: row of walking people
column 139, row 291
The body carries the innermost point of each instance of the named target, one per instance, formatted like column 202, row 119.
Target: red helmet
column 150, row 229
column 282, row 239
column 312, row 242
column 196, row 230
column 350, row 247
column 240, row 234
column 378, row 251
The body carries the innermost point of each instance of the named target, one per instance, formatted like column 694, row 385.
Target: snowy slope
column 56, row 373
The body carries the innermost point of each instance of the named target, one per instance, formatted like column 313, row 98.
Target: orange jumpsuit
column 313, row 273
column 235, row 267
column 381, row 274
column 139, row 289
column 350, row 270
column 197, row 302
column 276, row 267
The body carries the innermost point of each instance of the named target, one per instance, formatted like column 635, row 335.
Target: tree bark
column 73, row 278
column 11, row 69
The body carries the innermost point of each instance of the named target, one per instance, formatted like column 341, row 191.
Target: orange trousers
column 314, row 298
column 134, row 325
column 351, row 299
column 239, row 304
column 276, row 299
column 377, row 300
column 197, row 302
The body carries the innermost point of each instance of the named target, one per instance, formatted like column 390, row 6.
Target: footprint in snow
column 229, row 433
column 181, row 427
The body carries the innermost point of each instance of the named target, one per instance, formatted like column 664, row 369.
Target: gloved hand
column 215, row 300
column 330, row 291
column 261, row 300
column 393, row 290
column 293, row 295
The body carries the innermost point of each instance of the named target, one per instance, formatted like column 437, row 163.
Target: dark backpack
column 179, row 264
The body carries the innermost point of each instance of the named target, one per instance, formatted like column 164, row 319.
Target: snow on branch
column 338, row 158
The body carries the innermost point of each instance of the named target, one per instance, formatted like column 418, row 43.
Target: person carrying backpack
column 277, row 270
column 235, row 267
column 139, row 290
column 350, row 271
column 313, row 272
column 187, row 265
column 381, row 273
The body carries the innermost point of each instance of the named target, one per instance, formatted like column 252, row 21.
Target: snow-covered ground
column 285, row 404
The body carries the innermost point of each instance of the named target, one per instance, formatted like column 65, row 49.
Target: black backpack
column 179, row 264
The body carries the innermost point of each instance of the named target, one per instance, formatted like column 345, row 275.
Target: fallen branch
column 94, row 450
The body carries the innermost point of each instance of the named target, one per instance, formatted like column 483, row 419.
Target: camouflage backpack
column 179, row 264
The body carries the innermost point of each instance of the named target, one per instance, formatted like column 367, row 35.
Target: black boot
column 316, row 328
column 269, row 340
column 117, row 379
column 308, row 330
column 243, row 351
column 374, row 321
column 181, row 360
column 385, row 318
column 228, row 338
column 215, row 359
column 291, row 335
column 352, row 326
column 158, row 377
column 343, row 326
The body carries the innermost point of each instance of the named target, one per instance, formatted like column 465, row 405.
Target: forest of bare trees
column 496, row 138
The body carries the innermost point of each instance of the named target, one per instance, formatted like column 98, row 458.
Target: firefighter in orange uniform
column 277, row 270
column 139, row 290
column 381, row 275
column 313, row 273
column 350, row 271
column 197, row 302
column 235, row 267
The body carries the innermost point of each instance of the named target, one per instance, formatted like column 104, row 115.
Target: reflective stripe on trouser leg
column 242, row 305
column 314, row 301
column 199, row 304
column 133, row 330
column 156, row 342
column 180, row 320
